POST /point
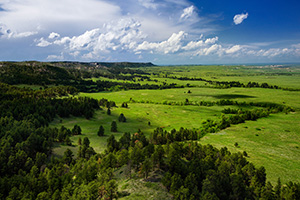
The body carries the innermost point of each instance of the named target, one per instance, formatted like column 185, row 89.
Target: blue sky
column 158, row 31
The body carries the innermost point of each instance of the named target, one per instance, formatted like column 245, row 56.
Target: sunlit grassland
column 137, row 80
column 283, row 77
column 221, row 70
column 289, row 98
column 138, row 116
column 272, row 142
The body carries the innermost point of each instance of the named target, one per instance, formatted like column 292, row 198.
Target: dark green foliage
column 68, row 141
column 139, row 138
column 159, row 136
column 85, row 151
column 122, row 118
column 106, row 103
column 146, row 167
column 111, row 190
column 125, row 141
column 68, row 157
column 100, row 131
column 136, row 156
column 122, row 157
column 114, row 127
column 86, row 142
column 32, row 73
column 109, row 161
column 26, row 143
column 124, row 105
column 112, row 144
column 108, row 112
column 236, row 144
column 76, row 130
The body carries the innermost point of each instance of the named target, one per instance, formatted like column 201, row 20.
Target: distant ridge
column 104, row 64
column 64, row 72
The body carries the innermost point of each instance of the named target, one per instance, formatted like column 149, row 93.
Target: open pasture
column 272, row 142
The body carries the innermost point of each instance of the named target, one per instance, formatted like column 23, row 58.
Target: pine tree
column 76, row 130
column 122, row 118
column 108, row 111
column 101, row 131
column 114, row 127
column 86, row 142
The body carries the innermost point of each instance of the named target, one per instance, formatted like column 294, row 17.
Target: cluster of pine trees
column 26, row 144
column 195, row 171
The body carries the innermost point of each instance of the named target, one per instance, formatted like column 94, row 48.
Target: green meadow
column 272, row 142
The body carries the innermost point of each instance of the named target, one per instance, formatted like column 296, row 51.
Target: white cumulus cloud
column 118, row 35
column 53, row 35
column 187, row 12
column 233, row 49
column 43, row 43
column 211, row 40
column 238, row 19
column 173, row 44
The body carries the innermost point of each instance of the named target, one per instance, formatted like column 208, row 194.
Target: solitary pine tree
column 108, row 111
column 122, row 118
column 76, row 130
column 114, row 127
column 101, row 131
column 124, row 105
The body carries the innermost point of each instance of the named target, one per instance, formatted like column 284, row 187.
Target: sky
column 164, row 32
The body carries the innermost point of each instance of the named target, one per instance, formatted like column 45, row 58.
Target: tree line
column 272, row 107
column 229, row 84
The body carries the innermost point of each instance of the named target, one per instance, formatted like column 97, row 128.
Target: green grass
column 272, row 142
column 138, row 116
column 203, row 94
column 284, row 77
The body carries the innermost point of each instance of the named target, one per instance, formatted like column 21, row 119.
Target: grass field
column 272, row 142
